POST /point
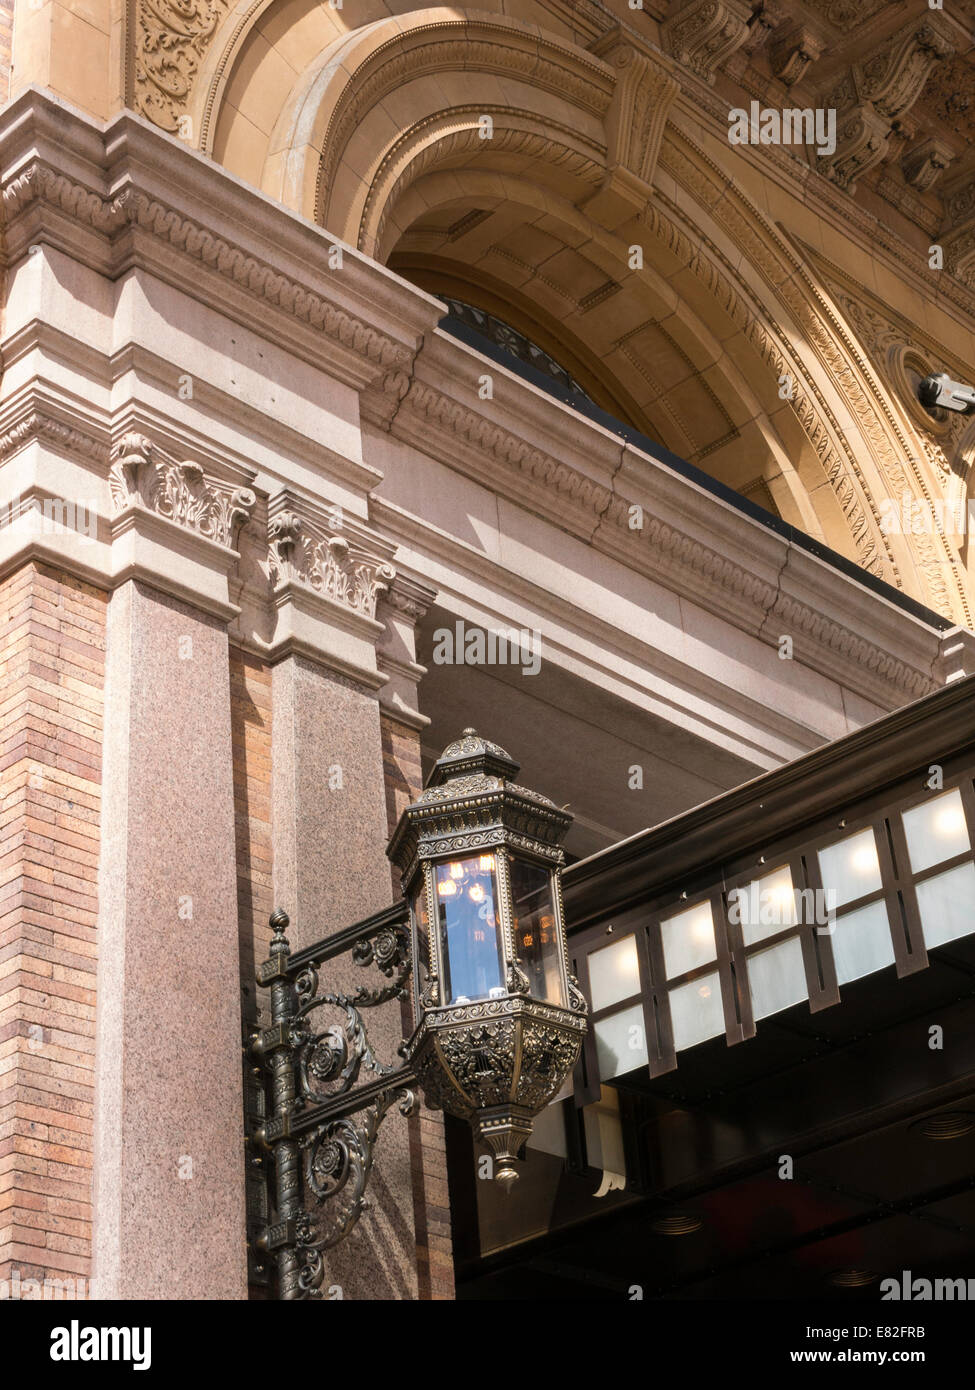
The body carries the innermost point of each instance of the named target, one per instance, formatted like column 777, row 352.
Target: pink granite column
column 169, row 1167
column 330, row 870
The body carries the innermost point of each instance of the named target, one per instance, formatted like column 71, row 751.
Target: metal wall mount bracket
column 319, row 1130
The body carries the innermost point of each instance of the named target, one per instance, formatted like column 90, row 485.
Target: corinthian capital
column 143, row 475
column 330, row 553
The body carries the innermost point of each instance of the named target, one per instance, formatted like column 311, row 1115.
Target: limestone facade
column 245, row 476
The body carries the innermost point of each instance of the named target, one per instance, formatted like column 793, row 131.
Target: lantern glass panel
column 470, row 933
column 537, row 944
column 420, row 919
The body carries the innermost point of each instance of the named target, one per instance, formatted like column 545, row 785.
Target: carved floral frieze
column 171, row 40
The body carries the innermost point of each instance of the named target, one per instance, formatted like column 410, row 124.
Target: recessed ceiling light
column 853, row 1278
column 676, row 1223
column 950, row 1124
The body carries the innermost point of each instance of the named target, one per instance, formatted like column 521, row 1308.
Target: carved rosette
column 497, row 1064
column 181, row 492
column 335, row 565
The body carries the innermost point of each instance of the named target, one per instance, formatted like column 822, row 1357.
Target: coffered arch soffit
column 383, row 126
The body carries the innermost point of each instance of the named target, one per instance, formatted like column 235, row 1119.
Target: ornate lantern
column 499, row 1019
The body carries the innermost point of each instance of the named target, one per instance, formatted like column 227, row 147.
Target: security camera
column 941, row 390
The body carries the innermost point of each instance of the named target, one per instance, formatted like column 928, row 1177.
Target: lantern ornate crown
column 499, row 1018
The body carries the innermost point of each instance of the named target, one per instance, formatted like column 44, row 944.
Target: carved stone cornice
column 876, row 93
column 863, row 141
column 676, row 555
column 892, row 79
column 768, row 16
column 39, row 425
column 142, row 475
column 39, row 202
column 704, row 33
column 793, row 53
column 926, row 161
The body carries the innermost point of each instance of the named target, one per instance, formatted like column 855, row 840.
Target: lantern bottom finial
column 505, row 1129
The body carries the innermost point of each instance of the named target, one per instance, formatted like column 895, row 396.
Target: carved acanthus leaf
column 644, row 93
column 141, row 474
column 171, row 39
column 334, row 565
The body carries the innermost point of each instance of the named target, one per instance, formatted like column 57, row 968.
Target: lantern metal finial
column 499, row 1018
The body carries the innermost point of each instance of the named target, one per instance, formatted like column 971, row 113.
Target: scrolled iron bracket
column 321, row 1130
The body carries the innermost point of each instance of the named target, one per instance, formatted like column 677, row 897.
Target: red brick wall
column 431, row 1208
column 52, row 649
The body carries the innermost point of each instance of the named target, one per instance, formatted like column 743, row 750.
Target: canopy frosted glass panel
column 696, row 1011
column 791, row 892
column 765, row 906
column 548, row 1131
column 936, row 831
column 851, row 869
column 688, row 940
column 777, row 978
column 862, row 942
column 621, row 1042
column 947, row 905
column 614, row 973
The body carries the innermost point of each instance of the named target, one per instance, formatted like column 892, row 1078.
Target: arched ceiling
column 492, row 157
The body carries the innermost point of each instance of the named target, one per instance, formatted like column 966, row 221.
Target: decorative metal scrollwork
column 329, row 1062
column 322, row 1131
column 336, row 1163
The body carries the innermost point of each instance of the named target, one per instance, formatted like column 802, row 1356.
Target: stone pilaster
column 169, row 1172
column 329, row 824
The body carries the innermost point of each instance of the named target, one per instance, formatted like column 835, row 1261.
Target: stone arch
column 376, row 137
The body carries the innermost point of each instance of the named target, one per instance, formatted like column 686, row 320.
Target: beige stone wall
column 288, row 464
column 6, row 41
column 52, row 676
column 777, row 325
